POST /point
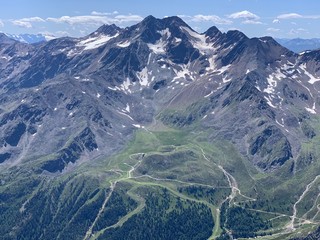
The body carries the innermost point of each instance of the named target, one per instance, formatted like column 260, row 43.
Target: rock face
column 85, row 141
column 116, row 80
column 270, row 147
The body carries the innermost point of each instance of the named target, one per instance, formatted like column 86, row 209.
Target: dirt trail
column 89, row 232
column 295, row 211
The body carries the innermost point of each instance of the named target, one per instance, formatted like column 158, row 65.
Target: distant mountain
column 156, row 131
column 30, row 38
column 299, row 45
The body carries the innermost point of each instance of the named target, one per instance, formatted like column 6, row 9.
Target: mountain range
column 296, row 45
column 30, row 38
column 299, row 45
column 156, row 131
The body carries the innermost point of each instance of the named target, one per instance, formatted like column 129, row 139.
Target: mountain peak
column 164, row 22
column 174, row 20
column 108, row 29
column 4, row 38
column 149, row 18
column 236, row 35
column 213, row 32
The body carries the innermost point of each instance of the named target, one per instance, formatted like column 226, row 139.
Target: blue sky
column 277, row 18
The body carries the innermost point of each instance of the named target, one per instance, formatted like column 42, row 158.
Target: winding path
column 233, row 184
column 295, row 211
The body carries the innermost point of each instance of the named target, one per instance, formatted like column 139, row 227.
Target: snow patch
column 6, row 58
column 114, row 89
column 85, row 80
column 128, row 108
column 311, row 110
column 225, row 79
column 165, row 33
column 269, row 102
column 212, row 65
column 158, row 47
column 177, row 40
column 312, row 79
column 184, row 73
column 124, row 44
column 125, row 115
column 224, row 69
column 199, row 41
column 273, row 81
column 143, row 76
column 137, row 126
column 281, row 125
column 304, row 52
column 95, row 42
column 125, row 86
column 208, row 95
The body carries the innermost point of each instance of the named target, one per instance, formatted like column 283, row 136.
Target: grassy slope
column 176, row 160
column 203, row 172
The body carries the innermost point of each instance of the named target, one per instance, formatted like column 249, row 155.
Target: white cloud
column 298, row 31
column 96, row 19
column 273, row 29
column 297, row 16
column 276, row 21
column 32, row 19
column 210, row 18
column 128, row 18
column 96, row 13
column 99, row 13
column 289, row 16
column 251, row 22
column 26, row 22
column 22, row 24
column 1, row 24
column 91, row 20
column 206, row 18
column 246, row 15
